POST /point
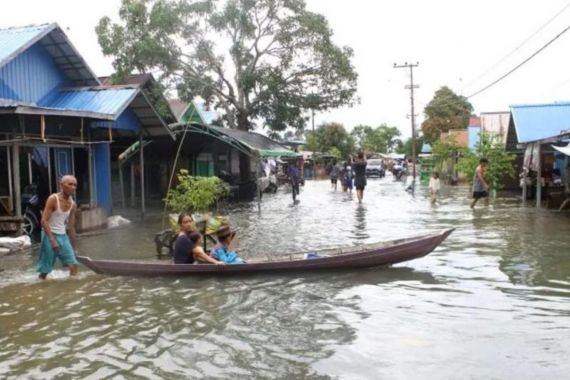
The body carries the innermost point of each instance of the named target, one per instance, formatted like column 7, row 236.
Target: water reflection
column 500, row 282
column 359, row 230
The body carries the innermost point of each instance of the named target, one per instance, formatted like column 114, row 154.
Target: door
column 63, row 162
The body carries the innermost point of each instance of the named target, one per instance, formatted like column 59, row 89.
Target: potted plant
column 195, row 195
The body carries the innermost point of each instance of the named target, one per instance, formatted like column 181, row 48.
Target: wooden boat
column 362, row 256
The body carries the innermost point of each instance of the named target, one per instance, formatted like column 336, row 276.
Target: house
column 532, row 129
column 57, row 117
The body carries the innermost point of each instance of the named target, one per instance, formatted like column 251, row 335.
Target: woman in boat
column 198, row 253
column 222, row 250
column 184, row 246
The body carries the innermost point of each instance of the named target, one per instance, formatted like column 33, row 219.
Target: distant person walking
column 349, row 177
column 58, row 230
column 335, row 171
column 480, row 186
column 294, row 178
column 434, row 186
column 359, row 167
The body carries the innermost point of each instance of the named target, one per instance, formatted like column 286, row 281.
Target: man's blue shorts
column 47, row 255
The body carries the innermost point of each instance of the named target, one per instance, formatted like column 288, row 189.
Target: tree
column 445, row 111
column 359, row 134
column 267, row 60
column 195, row 193
column 445, row 153
column 406, row 146
column 333, row 135
column 381, row 139
column 500, row 161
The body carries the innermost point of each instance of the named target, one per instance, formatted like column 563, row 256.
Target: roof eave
column 30, row 43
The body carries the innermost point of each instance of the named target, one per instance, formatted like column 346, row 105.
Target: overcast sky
column 454, row 41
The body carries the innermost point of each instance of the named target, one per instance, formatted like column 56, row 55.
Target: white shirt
column 434, row 184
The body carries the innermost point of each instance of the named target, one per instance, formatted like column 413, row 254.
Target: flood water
column 492, row 302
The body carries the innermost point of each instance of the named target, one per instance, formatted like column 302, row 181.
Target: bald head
column 68, row 184
column 67, row 177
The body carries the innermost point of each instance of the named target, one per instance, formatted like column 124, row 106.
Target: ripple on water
column 493, row 297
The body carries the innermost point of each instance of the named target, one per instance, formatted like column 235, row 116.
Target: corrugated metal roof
column 7, row 103
column 12, row 40
column 105, row 100
column 535, row 122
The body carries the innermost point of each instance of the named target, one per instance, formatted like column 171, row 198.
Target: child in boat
column 198, row 252
column 222, row 251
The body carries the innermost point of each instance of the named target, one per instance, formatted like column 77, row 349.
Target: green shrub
column 195, row 194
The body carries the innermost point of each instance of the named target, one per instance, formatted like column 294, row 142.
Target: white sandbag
column 117, row 221
column 14, row 243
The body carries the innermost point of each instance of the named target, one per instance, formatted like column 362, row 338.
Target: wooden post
column 43, row 128
column 132, row 183
column 92, row 200
column 10, row 190
column 141, row 147
column 524, row 187
column 122, row 182
column 16, row 171
column 538, row 177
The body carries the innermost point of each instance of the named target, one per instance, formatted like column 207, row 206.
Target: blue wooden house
column 57, row 117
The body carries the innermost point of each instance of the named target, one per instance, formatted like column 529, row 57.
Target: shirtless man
column 58, row 230
column 480, row 186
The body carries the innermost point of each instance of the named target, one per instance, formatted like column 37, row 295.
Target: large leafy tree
column 332, row 137
column 382, row 139
column 258, row 61
column 359, row 133
column 445, row 111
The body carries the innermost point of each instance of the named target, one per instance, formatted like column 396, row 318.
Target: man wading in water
column 480, row 186
column 58, row 219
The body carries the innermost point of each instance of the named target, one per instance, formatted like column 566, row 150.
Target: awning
column 563, row 149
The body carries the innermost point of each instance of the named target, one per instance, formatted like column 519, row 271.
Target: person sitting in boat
column 222, row 251
column 183, row 246
column 201, row 257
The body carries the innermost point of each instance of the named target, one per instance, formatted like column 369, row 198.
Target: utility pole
column 411, row 87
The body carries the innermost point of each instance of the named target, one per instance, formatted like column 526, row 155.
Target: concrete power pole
column 411, row 87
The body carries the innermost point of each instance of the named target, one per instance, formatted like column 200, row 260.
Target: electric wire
column 520, row 64
column 518, row 47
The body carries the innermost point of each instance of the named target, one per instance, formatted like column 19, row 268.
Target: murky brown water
column 492, row 302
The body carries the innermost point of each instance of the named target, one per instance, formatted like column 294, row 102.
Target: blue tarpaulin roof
column 104, row 100
column 534, row 122
column 426, row 148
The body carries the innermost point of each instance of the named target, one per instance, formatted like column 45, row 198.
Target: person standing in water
column 335, row 171
column 359, row 167
column 434, row 186
column 480, row 186
column 58, row 230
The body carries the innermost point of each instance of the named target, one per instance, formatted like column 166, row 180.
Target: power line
column 520, row 64
column 519, row 46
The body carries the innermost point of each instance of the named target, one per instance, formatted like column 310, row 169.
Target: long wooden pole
column 16, row 171
column 122, row 182
column 142, row 177
column 132, row 183
column 10, row 189
column 538, row 177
